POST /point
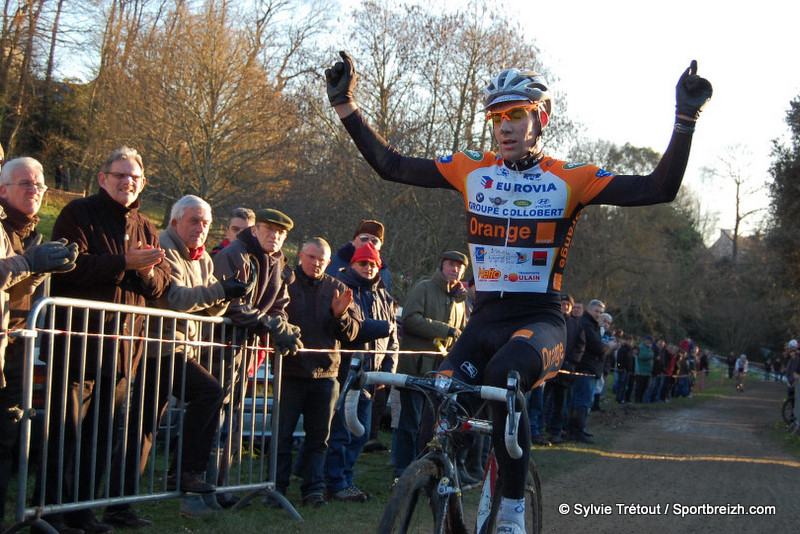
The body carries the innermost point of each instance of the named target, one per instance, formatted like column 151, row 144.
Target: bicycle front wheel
column 415, row 505
column 533, row 503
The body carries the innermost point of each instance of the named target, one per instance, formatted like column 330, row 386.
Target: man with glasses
column 522, row 209
column 119, row 261
column 368, row 231
column 21, row 192
column 239, row 220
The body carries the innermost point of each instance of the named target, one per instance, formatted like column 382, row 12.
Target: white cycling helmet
column 793, row 343
column 516, row 84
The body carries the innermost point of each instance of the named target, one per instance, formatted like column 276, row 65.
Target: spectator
column 577, row 309
column 610, row 346
column 323, row 309
column 560, row 384
column 368, row 231
column 626, row 371
column 435, row 309
column 256, row 257
column 239, row 219
column 589, row 369
column 792, row 355
column 657, row 371
column 375, row 309
column 62, row 177
column 21, row 192
column 682, row 371
column 731, row 361
column 742, row 366
column 702, row 370
column 645, row 369
column 193, row 289
column 119, row 261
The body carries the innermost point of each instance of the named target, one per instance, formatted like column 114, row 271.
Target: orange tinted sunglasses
column 511, row 114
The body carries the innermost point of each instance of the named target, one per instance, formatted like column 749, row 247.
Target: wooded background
column 226, row 100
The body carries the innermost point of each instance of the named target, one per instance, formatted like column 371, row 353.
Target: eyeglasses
column 511, row 114
column 364, row 238
column 31, row 186
column 136, row 178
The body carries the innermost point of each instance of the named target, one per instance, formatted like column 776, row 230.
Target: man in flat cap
column 256, row 255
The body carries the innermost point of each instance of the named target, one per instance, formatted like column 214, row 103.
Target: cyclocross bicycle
column 428, row 496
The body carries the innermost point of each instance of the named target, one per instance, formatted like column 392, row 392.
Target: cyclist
column 742, row 366
column 522, row 207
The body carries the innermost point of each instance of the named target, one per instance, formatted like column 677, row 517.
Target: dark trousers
column 10, row 402
column 558, row 410
column 202, row 400
column 314, row 398
column 86, row 450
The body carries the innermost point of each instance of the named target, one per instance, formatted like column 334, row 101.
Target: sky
column 618, row 62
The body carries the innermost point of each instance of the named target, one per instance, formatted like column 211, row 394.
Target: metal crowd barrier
column 68, row 338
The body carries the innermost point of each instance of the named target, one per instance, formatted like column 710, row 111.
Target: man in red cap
column 375, row 309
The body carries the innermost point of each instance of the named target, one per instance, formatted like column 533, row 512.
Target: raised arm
column 662, row 185
column 390, row 164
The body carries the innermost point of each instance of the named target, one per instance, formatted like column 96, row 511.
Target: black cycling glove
column 692, row 93
column 341, row 80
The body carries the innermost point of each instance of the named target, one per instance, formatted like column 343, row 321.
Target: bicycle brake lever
column 352, row 376
column 512, row 419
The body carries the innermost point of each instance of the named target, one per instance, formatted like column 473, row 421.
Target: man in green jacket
column 433, row 316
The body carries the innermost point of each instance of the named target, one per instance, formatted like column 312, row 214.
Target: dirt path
column 719, row 453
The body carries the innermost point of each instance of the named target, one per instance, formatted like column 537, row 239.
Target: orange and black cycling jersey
column 520, row 223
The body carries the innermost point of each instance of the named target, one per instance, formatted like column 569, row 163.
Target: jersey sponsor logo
column 480, row 198
column 521, row 258
column 502, row 171
column 495, row 210
column 515, row 232
column 539, row 257
column 480, row 254
column 552, row 358
column 524, row 203
column 523, row 277
column 544, row 201
column 602, row 174
column 529, row 176
column 470, row 369
column 489, row 274
column 486, row 182
column 571, row 166
column 524, row 188
column 445, row 159
column 474, row 155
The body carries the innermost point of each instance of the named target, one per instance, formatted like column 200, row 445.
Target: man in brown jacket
column 119, row 261
column 21, row 192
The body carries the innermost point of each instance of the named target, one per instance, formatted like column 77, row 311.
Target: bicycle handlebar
column 442, row 384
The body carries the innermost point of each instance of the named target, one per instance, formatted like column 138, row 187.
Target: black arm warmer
column 661, row 185
column 390, row 164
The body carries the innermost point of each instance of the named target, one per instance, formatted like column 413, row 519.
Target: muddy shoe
column 351, row 493
column 540, row 440
column 374, row 445
column 314, row 499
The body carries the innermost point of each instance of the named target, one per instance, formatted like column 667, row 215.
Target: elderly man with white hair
column 22, row 189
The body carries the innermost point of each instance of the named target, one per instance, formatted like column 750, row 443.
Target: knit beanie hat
column 368, row 252
column 368, row 226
